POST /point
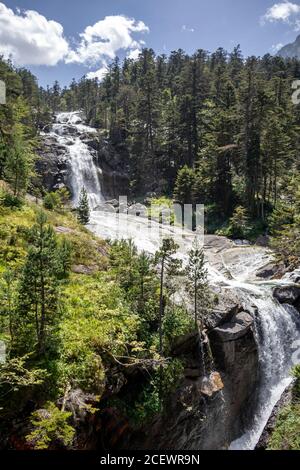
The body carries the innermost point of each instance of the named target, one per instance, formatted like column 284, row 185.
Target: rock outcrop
column 208, row 408
column 290, row 50
column 54, row 168
column 287, row 294
column 52, row 164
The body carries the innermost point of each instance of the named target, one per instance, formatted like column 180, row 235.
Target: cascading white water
column 69, row 130
column 276, row 327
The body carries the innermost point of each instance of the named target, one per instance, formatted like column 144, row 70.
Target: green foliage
column 16, row 375
column 197, row 284
column 169, row 267
column 52, row 201
column 64, row 257
column 37, row 310
column 285, row 227
column 83, row 209
column 56, row 200
column 239, row 225
column 148, row 403
column 50, row 427
column 161, row 209
column 183, row 190
column 176, row 322
column 296, row 386
column 286, row 435
column 9, row 200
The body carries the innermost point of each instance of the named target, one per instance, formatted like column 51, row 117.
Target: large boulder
column 227, row 305
column 236, row 328
column 287, row 294
column 269, row 271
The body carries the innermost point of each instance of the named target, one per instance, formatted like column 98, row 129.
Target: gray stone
column 228, row 305
column 263, row 240
column 82, row 269
column 287, row 294
column 235, row 329
column 268, row 271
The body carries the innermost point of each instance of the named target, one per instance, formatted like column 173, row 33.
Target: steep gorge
column 251, row 333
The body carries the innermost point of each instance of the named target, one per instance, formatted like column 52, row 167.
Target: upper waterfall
column 69, row 132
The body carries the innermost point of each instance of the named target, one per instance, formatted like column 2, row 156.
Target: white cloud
column 276, row 47
column 284, row 11
column 134, row 54
column 30, row 39
column 100, row 74
column 105, row 38
column 187, row 29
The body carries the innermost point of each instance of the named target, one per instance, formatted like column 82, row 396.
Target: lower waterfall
column 277, row 332
column 277, row 327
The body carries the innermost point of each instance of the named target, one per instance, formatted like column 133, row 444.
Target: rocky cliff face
column 290, row 50
column 53, row 165
column 208, row 408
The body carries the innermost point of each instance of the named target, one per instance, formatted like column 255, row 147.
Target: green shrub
column 9, row 200
column 50, row 427
column 286, row 435
column 52, row 201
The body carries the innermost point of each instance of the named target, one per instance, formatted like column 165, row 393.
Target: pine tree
column 239, row 223
column 184, row 186
column 197, row 281
column 169, row 266
column 83, row 209
column 64, row 257
column 38, row 293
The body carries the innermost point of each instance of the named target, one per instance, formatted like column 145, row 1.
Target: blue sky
column 48, row 41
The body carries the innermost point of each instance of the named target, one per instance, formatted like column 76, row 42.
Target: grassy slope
column 95, row 319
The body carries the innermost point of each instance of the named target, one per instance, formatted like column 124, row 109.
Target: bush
column 52, row 201
column 50, row 427
column 9, row 200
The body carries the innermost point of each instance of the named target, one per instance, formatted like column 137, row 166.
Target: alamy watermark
column 296, row 93
column 2, row 352
column 153, row 222
column 2, row 92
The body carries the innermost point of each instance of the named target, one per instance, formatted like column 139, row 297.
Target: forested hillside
column 82, row 318
column 215, row 129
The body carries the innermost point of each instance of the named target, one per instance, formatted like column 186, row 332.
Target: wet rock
column 293, row 276
column 211, row 384
column 52, row 164
column 287, row 294
column 104, row 207
column 228, row 305
column 241, row 242
column 268, row 271
column 139, row 210
column 236, row 328
column 113, row 202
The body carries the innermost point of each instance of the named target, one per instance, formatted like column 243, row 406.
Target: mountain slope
column 290, row 50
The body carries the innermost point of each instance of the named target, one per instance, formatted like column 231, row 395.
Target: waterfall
column 276, row 327
column 277, row 330
column 69, row 131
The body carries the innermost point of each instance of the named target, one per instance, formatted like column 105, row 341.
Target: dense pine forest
column 215, row 129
